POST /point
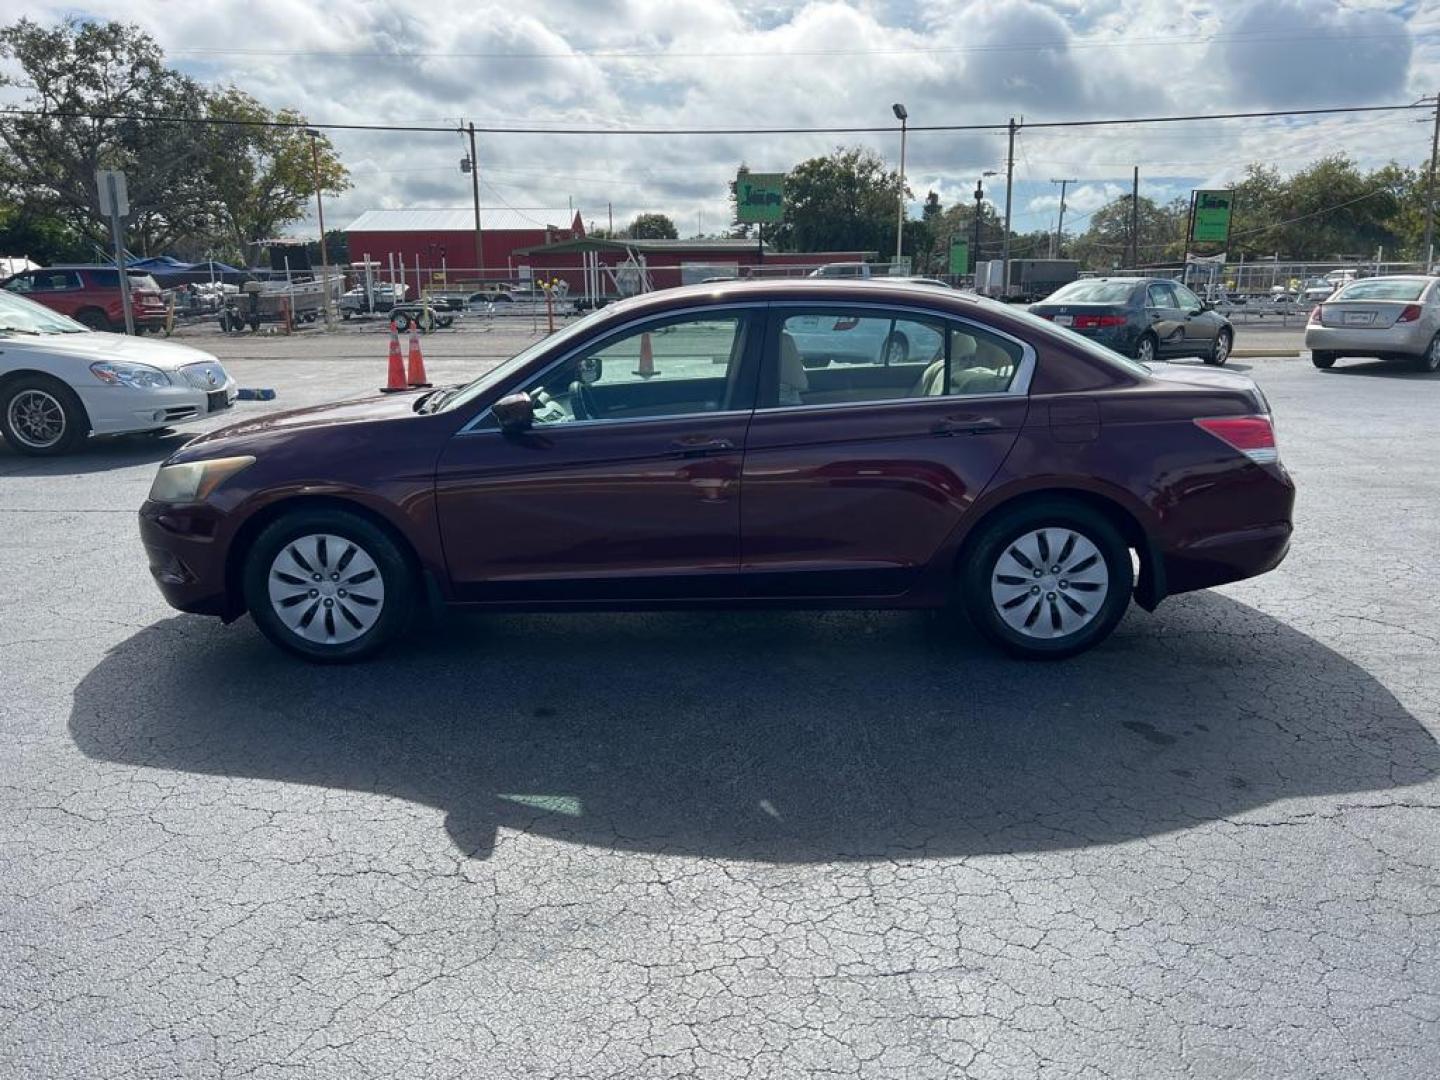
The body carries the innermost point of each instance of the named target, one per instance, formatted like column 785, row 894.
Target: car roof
column 866, row 290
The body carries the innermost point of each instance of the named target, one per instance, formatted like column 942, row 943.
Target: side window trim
column 753, row 324
column 950, row 322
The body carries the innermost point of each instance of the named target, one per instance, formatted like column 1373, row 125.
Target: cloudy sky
column 618, row 64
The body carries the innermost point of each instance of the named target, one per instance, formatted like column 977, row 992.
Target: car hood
column 281, row 425
column 94, row 345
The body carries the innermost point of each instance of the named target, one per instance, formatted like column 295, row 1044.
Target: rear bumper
column 1410, row 338
column 1227, row 557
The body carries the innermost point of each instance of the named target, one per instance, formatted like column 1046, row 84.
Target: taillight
column 1410, row 314
column 1253, row 436
column 1095, row 322
column 1317, row 314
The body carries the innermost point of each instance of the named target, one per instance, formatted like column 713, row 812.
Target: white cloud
column 738, row 63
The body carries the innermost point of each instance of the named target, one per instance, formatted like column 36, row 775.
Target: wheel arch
column 1149, row 584
column 7, row 378
column 255, row 524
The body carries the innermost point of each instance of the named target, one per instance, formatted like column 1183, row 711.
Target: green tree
column 653, row 227
column 110, row 73
column 40, row 235
column 844, row 201
column 264, row 177
column 1105, row 244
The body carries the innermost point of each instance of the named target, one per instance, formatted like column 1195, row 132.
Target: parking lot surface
column 719, row 845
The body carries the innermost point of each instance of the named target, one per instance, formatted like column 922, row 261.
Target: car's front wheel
column 1220, row 351
column 42, row 416
column 1047, row 580
column 328, row 585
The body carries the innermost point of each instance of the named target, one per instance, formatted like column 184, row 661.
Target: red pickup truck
column 91, row 295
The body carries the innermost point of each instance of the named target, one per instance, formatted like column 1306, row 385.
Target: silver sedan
column 1390, row 318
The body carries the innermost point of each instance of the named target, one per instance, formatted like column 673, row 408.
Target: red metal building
column 445, row 238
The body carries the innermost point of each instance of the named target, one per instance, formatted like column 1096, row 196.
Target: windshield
column 1079, row 341
column 1385, row 289
column 1092, row 292
column 18, row 315
column 519, row 360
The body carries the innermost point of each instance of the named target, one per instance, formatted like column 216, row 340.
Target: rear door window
column 1160, row 295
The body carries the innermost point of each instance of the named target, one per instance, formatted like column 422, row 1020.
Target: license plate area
column 1064, row 320
column 216, row 401
column 1359, row 318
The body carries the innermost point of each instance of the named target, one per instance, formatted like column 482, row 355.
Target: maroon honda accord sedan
column 763, row 444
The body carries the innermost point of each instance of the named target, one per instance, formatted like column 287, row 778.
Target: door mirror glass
column 514, row 412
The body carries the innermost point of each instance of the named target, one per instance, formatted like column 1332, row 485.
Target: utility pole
column 610, row 217
column 320, row 212
column 1060, row 225
column 1009, row 182
column 903, row 116
column 1430, row 193
column 1135, row 220
column 475, row 193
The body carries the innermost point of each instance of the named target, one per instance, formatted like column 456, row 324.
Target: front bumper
column 119, row 410
column 1408, row 338
column 185, row 548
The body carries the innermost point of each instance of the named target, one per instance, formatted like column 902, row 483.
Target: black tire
column 1429, row 360
column 35, row 397
column 93, row 318
column 1220, row 350
column 982, row 563
column 1145, row 340
column 395, row 573
column 401, row 320
column 1322, row 360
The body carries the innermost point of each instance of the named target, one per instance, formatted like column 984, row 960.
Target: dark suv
column 673, row 450
column 1147, row 318
column 91, row 295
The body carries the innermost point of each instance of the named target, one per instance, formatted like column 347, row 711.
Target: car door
column 855, row 475
column 627, row 486
column 1200, row 325
column 1167, row 321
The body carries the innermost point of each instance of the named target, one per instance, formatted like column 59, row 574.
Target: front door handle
column 965, row 425
column 693, row 448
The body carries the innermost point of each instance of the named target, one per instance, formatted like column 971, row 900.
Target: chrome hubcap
column 326, row 589
column 1146, row 352
column 37, row 418
column 1049, row 583
column 1222, row 347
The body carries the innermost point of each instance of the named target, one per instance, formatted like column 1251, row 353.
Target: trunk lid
column 1361, row 314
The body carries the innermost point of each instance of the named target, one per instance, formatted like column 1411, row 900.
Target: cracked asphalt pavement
column 731, row 845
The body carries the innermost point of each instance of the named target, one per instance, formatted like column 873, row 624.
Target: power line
column 888, row 129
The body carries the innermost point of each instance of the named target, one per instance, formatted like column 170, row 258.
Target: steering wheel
column 582, row 402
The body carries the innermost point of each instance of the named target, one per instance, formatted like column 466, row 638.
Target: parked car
column 603, row 467
column 1145, row 318
column 1396, row 317
column 61, row 382
column 91, row 295
column 1317, row 289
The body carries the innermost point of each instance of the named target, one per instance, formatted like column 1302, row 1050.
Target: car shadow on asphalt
column 97, row 456
column 1385, row 369
column 791, row 737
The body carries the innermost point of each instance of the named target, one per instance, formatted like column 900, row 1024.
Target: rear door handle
column 693, row 448
column 965, row 425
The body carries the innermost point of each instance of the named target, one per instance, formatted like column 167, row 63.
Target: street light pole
column 903, row 116
column 1009, row 183
column 320, row 213
column 1060, row 224
column 979, row 208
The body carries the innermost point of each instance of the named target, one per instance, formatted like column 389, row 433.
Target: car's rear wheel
column 1429, row 360
column 1322, row 360
column 328, row 585
column 93, row 318
column 1145, row 349
column 1048, row 579
column 42, row 416
column 1220, row 351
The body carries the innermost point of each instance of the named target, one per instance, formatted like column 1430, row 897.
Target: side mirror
column 515, row 412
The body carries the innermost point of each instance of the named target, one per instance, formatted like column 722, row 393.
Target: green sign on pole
column 1211, row 217
column 959, row 255
column 760, row 197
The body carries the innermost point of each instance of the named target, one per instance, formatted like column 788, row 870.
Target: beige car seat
column 793, row 380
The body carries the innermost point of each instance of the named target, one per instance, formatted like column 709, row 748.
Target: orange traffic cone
column 417, row 362
column 396, row 379
column 647, row 358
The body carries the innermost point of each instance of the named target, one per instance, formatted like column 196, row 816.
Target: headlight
column 194, row 480
column 139, row 376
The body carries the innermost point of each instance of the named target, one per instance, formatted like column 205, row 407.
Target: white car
column 61, row 382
